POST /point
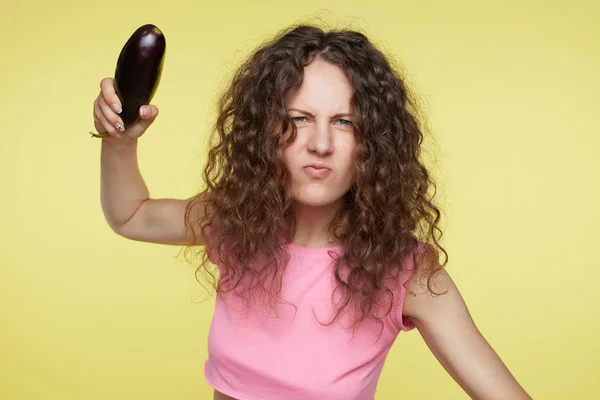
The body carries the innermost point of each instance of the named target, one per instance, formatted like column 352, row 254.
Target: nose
column 320, row 140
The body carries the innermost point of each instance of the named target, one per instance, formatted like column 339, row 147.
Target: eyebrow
column 339, row 115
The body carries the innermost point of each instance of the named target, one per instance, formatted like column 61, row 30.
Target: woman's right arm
column 126, row 204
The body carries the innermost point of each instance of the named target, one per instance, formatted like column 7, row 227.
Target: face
column 320, row 159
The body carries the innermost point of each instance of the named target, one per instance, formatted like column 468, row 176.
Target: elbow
column 121, row 226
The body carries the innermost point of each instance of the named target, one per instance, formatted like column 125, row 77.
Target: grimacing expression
column 321, row 158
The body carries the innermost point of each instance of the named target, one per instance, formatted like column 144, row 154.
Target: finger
column 110, row 115
column 109, row 94
column 98, row 118
column 103, row 124
column 148, row 112
column 96, row 112
column 146, row 119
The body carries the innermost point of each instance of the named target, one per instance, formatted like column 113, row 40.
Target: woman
column 314, row 202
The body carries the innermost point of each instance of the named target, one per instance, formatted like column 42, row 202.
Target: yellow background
column 510, row 89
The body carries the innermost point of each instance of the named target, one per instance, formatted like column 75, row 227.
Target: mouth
column 317, row 171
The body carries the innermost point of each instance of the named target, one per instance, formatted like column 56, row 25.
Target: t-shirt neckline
column 312, row 250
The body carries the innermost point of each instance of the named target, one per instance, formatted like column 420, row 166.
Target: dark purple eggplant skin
column 138, row 71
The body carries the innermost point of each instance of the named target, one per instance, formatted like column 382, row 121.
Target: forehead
column 324, row 87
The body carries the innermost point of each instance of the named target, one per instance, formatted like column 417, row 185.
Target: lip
column 316, row 171
column 317, row 165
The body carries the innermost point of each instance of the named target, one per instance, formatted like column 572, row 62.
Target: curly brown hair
column 249, row 213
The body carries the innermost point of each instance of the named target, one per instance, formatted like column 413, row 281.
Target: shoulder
column 430, row 289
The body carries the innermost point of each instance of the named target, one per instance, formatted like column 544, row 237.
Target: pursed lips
column 317, row 170
column 317, row 166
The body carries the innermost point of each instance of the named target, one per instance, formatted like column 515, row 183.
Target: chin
column 316, row 197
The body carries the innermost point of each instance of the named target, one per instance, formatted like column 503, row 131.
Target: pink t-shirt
column 256, row 356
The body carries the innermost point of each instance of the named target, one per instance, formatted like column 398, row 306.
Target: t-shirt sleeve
column 403, row 323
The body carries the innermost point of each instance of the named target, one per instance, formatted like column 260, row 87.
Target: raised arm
column 126, row 204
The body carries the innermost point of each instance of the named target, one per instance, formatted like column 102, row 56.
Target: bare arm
column 122, row 188
column 446, row 325
column 126, row 204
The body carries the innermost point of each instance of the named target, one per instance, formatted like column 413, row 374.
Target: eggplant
column 138, row 71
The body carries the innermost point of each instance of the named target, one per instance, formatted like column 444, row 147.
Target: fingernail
column 144, row 112
column 117, row 109
column 120, row 127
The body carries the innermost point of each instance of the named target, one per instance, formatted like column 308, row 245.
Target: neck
column 312, row 224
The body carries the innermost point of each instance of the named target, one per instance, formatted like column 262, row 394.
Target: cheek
column 287, row 158
column 349, row 158
column 290, row 163
column 291, row 152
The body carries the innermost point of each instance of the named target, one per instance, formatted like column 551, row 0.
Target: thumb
column 148, row 114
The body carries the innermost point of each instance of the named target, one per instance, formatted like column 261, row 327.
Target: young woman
column 315, row 201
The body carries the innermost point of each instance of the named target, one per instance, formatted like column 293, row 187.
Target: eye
column 344, row 122
column 299, row 119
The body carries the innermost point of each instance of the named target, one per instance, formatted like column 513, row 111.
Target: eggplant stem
column 99, row 135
